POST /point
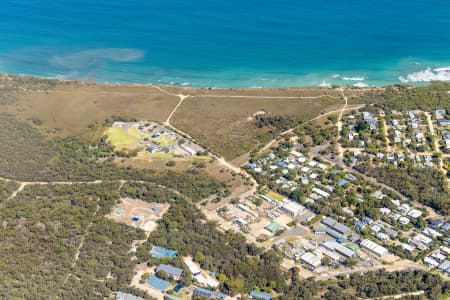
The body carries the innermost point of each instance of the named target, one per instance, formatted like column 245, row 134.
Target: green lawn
column 275, row 196
column 121, row 139
column 164, row 140
column 136, row 133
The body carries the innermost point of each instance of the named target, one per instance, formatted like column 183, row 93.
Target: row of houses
column 438, row 259
column 399, row 157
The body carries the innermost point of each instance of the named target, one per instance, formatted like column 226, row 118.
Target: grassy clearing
column 164, row 140
column 80, row 109
column 219, row 122
column 265, row 92
column 170, row 156
column 226, row 125
column 121, row 139
column 135, row 132
column 275, row 195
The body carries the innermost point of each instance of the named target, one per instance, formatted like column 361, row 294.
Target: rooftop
column 161, row 252
column 171, row 270
column 260, row 295
column 273, row 227
column 158, row 283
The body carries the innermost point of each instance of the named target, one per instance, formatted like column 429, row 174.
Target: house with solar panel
column 260, row 295
column 161, row 252
column 158, row 283
column 174, row 272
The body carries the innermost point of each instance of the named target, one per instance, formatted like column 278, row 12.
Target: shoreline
column 183, row 86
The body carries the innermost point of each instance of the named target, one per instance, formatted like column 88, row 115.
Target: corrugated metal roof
column 160, row 252
column 260, row 295
column 158, row 283
column 171, row 270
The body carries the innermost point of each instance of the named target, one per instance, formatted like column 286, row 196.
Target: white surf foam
column 427, row 75
column 361, row 85
column 353, row 78
column 442, row 69
column 325, row 84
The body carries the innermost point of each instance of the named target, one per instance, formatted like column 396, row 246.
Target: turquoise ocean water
column 230, row 43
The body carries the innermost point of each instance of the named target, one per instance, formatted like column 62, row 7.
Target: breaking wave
column 361, row 85
column 325, row 84
column 353, row 78
column 427, row 75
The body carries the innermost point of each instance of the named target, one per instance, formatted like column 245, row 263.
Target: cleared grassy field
column 220, row 119
column 264, row 92
column 80, row 109
column 121, row 139
column 164, row 140
column 274, row 195
column 134, row 132
column 226, row 125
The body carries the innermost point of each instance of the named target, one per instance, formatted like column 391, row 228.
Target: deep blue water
column 228, row 43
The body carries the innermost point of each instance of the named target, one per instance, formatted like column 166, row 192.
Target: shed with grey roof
column 341, row 228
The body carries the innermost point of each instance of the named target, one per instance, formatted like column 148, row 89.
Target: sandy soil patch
column 140, row 270
column 138, row 213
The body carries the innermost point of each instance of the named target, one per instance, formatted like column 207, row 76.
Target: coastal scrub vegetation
column 45, row 226
column 56, row 243
column 7, row 188
column 184, row 228
column 234, row 126
column 425, row 185
column 12, row 86
column 26, row 155
column 401, row 97
column 42, row 228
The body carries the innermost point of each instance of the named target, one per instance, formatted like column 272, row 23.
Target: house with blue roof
column 209, row 294
column 221, row 295
column 282, row 164
column 443, row 122
column 160, row 252
column 172, row 271
column 342, row 183
column 260, row 295
column 340, row 239
column 204, row 293
column 251, row 165
column 158, row 283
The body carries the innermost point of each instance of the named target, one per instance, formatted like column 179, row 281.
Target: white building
column 320, row 192
column 431, row 262
column 415, row 213
column 407, row 248
column 296, row 153
column 192, row 267
column 331, row 255
column 385, row 211
column 445, row 250
column 382, row 236
column 374, row 248
column 403, row 220
column 212, row 283
column 334, row 246
column 422, row 239
column 431, row 232
column 188, row 149
column 292, row 208
column 311, row 259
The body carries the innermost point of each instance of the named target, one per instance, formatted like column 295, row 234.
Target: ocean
column 214, row 43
